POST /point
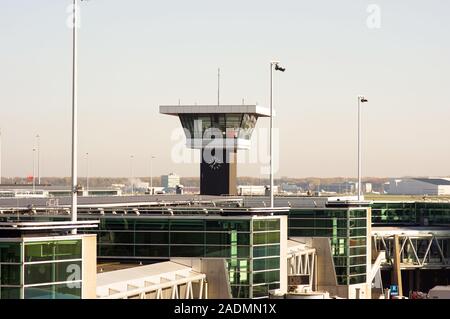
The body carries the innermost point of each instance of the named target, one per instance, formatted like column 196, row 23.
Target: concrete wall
column 216, row 273
column 325, row 273
column 89, row 267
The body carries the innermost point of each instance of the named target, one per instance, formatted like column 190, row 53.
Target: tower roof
column 258, row 110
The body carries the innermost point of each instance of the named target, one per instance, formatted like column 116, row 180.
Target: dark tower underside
column 218, row 175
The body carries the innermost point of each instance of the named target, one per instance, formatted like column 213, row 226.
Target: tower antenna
column 218, row 87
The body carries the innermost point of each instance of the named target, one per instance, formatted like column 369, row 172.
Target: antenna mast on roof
column 218, row 86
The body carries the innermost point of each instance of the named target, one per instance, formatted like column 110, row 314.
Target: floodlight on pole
column 131, row 174
column 151, row 174
column 361, row 99
column 276, row 65
column 38, row 141
column 34, row 171
column 87, row 174
column 74, row 186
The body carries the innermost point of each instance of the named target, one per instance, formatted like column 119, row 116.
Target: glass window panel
column 243, row 251
column 187, row 122
column 151, row 237
column 218, row 251
column 301, row 222
column 52, row 272
column 357, row 279
column 10, row 274
column 358, row 232
column 358, row 213
column 218, row 121
column 266, row 238
column 358, row 223
column 274, row 286
column 187, row 224
column 116, row 224
column 39, row 251
column 68, row 291
column 187, row 251
column 237, row 278
column 53, row 250
column 68, row 249
column 261, row 291
column 357, row 270
column 341, row 271
column 357, row 241
column 266, row 264
column 10, row 252
column 360, row 260
column 147, row 224
column 238, row 265
column 342, row 280
column 228, row 238
column 266, row 277
column 243, row 239
column 358, row 251
column 116, row 250
column 233, row 125
column 227, row 225
column 218, row 238
column 240, row 291
column 187, row 238
column 301, row 213
column 248, row 125
column 62, row 291
column 152, row 251
column 301, row 232
column 340, row 261
column 266, row 225
column 9, row 293
column 119, row 237
column 263, row 251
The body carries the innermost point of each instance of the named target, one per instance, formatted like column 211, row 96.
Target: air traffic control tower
column 218, row 131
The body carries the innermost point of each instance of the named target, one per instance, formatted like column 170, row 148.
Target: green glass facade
column 394, row 213
column 411, row 213
column 347, row 230
column 250, row 245
column 47, row 269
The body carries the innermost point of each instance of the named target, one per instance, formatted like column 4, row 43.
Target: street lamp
column 38, row 140
column 151, row 174
column 361, row 99
column 131, row 174
column 34, row 171
column 273, row 64
column 74, row 116
column 87, row 174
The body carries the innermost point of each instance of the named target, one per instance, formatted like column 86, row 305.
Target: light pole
column 151, row 173
column 273, row 65
column 74, row 115
column 131, row 174
column 87, row 174
column 34, row 171
column 38, row 140
column 361, row 99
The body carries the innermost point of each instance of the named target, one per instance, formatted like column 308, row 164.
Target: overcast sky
column 136, row 55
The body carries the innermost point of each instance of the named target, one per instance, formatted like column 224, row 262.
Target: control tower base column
column 218, row 175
